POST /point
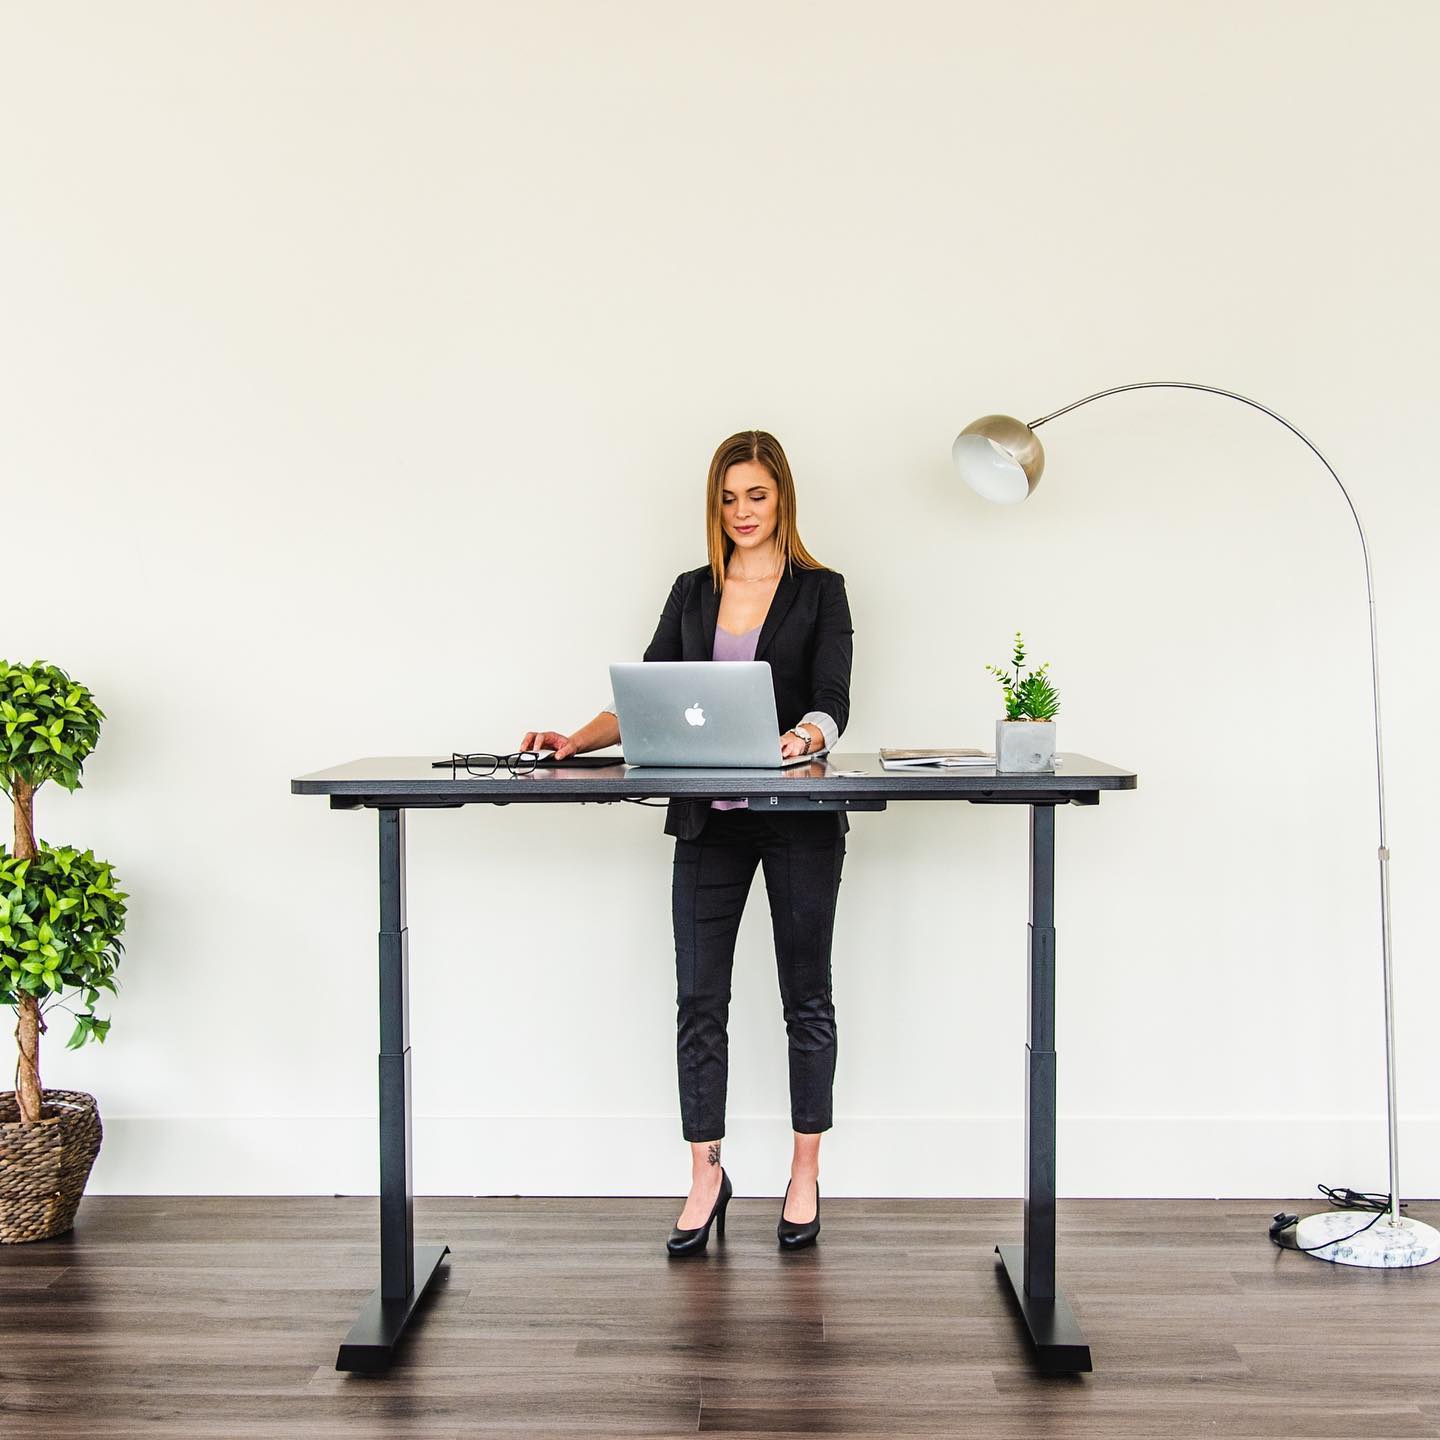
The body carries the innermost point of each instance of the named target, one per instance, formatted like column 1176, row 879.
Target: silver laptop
column 697, row 712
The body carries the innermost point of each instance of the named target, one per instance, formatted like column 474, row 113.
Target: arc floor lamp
column 1001, row 459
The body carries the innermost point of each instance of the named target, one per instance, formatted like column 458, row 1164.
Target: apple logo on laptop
column 695, row 714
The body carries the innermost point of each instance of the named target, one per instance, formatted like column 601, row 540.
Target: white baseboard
column 970, row 1156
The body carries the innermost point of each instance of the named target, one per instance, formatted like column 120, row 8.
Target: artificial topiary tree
column 60, row 914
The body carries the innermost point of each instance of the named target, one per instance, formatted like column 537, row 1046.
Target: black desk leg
column 1030, row 1267
column 405, row 1268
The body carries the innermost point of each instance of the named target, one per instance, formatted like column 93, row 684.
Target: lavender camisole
column 733, row 647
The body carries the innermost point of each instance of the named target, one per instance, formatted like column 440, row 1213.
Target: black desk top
column 407, row 780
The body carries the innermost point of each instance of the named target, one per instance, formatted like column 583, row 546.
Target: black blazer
column 805, row 637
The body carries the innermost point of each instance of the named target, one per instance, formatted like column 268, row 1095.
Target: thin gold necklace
column 771, row 576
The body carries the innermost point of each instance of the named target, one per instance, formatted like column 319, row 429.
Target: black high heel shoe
column 691, row 1242
column 793, row 1236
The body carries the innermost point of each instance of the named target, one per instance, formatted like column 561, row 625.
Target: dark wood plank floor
column 559, row 1317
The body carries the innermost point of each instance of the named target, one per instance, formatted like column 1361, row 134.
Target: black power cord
column 1343, row 1198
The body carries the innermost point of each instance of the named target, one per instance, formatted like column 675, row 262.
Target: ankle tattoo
column 713, row 1154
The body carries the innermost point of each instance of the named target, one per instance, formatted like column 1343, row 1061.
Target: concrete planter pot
column 1023, row 747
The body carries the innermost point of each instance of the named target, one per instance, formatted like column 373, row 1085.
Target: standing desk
column 396, row 785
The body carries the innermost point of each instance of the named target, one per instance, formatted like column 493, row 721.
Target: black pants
column 802, row 856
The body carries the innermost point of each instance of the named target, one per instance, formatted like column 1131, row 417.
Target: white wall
column 360, row 369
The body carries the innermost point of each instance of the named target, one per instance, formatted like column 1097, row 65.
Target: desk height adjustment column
column 405, row 1268
column 1030, row 1266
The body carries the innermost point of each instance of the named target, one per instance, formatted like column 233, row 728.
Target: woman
column 761, row 596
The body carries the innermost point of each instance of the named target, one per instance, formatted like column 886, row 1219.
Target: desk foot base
column 370, row 1345
column 1060, row 1348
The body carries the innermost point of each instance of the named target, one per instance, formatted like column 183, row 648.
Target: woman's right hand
column 536, row 740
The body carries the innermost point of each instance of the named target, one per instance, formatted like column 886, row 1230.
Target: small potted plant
column 1025, row 738
column 61, row 917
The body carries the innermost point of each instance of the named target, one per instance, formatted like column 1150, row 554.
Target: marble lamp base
column 1385, row 1245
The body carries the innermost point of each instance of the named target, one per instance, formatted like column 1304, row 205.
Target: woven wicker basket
column 44, row 1167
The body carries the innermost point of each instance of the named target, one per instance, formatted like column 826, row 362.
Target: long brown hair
column 763, row 447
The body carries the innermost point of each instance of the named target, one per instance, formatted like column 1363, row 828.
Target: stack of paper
column 907, row 759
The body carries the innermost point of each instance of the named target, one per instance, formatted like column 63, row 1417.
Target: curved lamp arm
column 1355, row 515
column 1254, row 405
column 1002, row 459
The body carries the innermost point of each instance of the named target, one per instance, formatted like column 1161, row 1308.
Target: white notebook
column 893, row 758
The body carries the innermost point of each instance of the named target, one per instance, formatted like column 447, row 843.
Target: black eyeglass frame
column 518, row 762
